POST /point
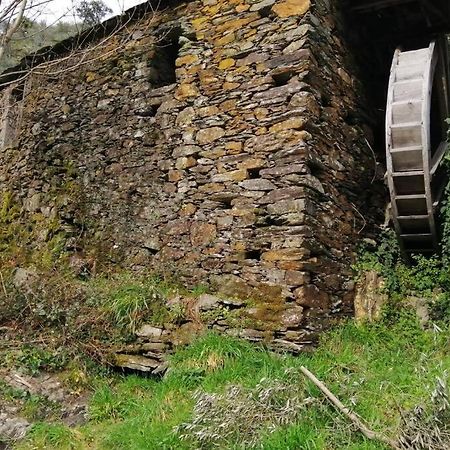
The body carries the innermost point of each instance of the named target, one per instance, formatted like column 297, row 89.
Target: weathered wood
column 410, row 166
column 354, row 418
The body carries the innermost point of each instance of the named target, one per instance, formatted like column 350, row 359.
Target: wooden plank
column 412, row 207
column 412, row 173
column 437, row 157
column 407, row 111
column 426, row 135
column 408, row 90
column 410, row 184
column 409, row 72
column 406, row 135
column 411, row 197
column 413, row 57
column 389, row 146
column 412, row 218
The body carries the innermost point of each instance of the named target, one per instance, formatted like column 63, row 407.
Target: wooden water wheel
column 417, row 107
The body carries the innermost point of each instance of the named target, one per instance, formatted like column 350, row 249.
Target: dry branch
column 373, row 435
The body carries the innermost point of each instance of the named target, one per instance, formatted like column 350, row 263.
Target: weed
column 58, row 436
column 376, row 369
column 33, row 359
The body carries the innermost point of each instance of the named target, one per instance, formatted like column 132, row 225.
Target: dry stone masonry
column 218, row 141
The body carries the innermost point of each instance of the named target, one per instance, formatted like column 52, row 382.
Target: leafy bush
column 34, row 359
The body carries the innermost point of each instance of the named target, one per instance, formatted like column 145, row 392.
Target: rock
column 262, row 5
column 286, row 206
column 33, row 203
column 207, row 302
column 202, row 233
column 226, row 63
column 420, row 306
column 369, row 297
column 257, row 184
column 282, row 345
column 283, row 254
column 136, row 362
column 209, row 135
column 297, row 278
column 292, row 317
column 13, row 428
column 291, row 8
column 24, row 279
column 149, row 332
column 296, row 123
column 233, row 175
column 312, row 297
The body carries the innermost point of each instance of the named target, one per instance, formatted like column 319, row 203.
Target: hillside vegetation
column 225, row 393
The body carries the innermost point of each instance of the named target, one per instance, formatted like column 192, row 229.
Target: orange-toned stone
column 209, row 135
column 188, row 59
column 291, row 8
column 175, row 175
column 283, row 254
column 212, row 187
column 200, row 23
column 213, row 154
column 234, row 146
column 226, row 63
column 252, row 163
column 230, row 86
column 289, row 124
column 207, row 77
column 232, row 175
column 228, row 105
column 311, row 296
column 202, row 233
column 237, row 24
column 242, row 7
column 186, row 90
column 185, row 162
column 208, row 111
column 227, row 39
column 187, row 210
column 261, row 113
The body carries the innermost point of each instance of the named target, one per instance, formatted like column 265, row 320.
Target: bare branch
column 373, row 435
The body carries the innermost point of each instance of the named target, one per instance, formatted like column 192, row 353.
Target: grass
column 377, row 370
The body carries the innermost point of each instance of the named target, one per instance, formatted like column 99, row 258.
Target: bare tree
column 11, row 18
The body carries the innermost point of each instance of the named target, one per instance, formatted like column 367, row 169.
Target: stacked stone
column 245, row 174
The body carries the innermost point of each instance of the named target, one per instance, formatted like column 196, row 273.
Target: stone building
column 223, row 142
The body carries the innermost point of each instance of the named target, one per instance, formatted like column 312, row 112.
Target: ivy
column 426, row 277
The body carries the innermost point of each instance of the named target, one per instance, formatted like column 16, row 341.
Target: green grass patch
column 377, row 370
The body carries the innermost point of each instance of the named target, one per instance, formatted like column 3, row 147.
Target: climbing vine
column 426, row 277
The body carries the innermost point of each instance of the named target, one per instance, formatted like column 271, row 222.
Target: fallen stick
column 373, row 435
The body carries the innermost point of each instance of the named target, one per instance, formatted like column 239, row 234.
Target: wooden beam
column 373, row 5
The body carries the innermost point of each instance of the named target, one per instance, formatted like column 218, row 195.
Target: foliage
column 425, row 277
column 429, row 427
column 238, row 414
column 445, row 211
column 82, row 316
column 33, row 35
column 92, row 12
column 33, row 359
column 377, row 369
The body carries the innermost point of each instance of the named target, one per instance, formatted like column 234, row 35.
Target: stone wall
column 219, row 141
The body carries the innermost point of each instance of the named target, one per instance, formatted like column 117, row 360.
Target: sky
column 58, row 8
